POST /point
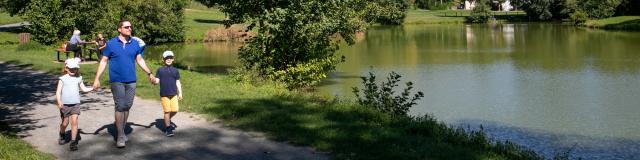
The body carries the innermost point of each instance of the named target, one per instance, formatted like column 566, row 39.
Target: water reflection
column 216, row 57
column 556, row 81
column 559, row 80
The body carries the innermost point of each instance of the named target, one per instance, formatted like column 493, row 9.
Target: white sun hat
column 72, row 63
column 167, row 54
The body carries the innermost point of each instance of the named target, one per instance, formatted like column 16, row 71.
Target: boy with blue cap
column 170, row 91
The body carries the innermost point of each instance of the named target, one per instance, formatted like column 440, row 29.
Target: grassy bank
column 339, row 127
column 6, row 19
column 631, row 23
column 456, row 16
column 14, row 148
column 199, row 21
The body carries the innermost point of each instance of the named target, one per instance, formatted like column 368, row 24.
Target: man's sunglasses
column 126, row 27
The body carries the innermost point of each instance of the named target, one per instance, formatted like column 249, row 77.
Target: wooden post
column 24, row 37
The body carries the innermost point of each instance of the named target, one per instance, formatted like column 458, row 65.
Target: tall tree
column 53, row 20
column 296, row 39
column 14, row 7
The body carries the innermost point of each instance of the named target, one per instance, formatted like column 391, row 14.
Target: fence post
column 24, row 37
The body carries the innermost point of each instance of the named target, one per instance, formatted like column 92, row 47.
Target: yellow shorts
column 170, row 104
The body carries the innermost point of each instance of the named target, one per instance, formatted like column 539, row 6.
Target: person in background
column 74, row 44
column 101, row 43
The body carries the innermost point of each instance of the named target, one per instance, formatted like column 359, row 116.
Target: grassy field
column 339, row 127
column 616, row 23
column 454, row 16
column 434, row 17
column 14, row 148
column 199, row 21
column 6, row 19
column 8, row 38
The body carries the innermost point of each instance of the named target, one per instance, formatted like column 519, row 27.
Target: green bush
column 600, row 8
column 297, row 38
column 578, row 17
column 387, row 11
column 481, row 13
column 153, row 20
column 562, row 9
column 305, row 74
column 384, row 98
column 538, row 9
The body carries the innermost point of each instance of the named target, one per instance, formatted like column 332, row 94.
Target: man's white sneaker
column 120, row 143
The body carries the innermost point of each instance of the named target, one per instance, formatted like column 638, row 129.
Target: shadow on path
column 27, row 109
column 20, row 91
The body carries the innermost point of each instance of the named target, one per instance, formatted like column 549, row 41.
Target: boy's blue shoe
column 168, row 131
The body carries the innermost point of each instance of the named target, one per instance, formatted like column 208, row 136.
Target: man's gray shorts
column 123, row 94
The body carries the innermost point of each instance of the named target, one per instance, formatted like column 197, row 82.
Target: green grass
column 341, row 128
column 455, row 16
column 199, row 21
column 6, row 19
column 8, row 38
column 616, row 23
column 14, row 148
column 434, row 17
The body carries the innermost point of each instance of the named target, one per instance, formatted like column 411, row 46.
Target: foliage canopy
column 54, row 20
column 296, row 39
column 577, row 10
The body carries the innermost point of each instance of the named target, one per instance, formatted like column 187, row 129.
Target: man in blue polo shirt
column 122, row 53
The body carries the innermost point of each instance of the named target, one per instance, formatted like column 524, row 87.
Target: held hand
column 179, row 96
column 96, row 85
column 152, row 79
column 60, row 106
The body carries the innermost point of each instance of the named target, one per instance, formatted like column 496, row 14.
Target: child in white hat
column 68, row 100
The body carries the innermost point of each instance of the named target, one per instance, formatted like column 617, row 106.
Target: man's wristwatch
column 149, row 73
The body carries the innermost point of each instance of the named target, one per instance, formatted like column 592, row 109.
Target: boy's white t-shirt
column 70, row 89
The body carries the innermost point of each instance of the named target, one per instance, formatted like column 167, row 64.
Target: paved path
column 27, row 104
column 7, row 27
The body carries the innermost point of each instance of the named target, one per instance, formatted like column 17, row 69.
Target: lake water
column 550, row 87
